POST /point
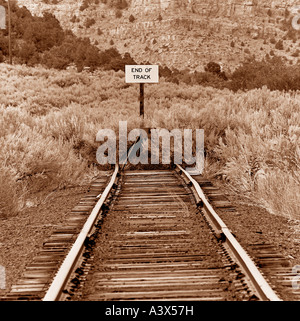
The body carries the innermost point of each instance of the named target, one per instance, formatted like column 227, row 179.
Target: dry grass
column 252, row 139
column 49, row 121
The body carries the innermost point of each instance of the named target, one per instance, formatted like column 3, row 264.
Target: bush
column 89, row 22
column 213, row 67
column 279, row 45
column 118, row 14
column 131, row 18
column 26, row 51
column 119, row 4
column 84, row 5
column 9, row 200
column 273, row 74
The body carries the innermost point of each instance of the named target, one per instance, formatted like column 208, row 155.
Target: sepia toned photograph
column 149, row 153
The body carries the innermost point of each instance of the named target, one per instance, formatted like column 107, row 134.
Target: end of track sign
column 137, row 74
column 142, row 74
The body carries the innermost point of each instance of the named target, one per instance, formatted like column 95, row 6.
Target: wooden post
column 142, row 98
column 9, row 32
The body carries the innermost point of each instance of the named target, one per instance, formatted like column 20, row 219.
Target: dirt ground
column 22, row 236
column 251, row 223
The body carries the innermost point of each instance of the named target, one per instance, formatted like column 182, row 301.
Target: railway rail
column 151, row 235
column 147, row 235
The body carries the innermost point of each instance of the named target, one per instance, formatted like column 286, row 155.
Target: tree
column 84, row 5
column 269, row 13
column 89, row 22
column 26, row 51
column 118, row 13
column 131, row 18
column 213, row 67
column 279, row 45
column 119, row 4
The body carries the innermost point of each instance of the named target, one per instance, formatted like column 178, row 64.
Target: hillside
column 182, row 33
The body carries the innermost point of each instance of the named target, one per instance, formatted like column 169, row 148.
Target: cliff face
column 212, row 7
column 178, row 33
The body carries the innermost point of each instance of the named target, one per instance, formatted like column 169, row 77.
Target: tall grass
column 252, row 140
column 49, row 120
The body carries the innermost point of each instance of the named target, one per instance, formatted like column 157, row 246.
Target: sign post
column 9, row 31
column 3, row 26
column 141, row 74
column 142, row 99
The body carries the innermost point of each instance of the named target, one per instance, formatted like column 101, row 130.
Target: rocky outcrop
column 201, row 7
column 178, row 33
column 211, row 7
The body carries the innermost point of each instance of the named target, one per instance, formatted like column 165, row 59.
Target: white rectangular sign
column 141, row 74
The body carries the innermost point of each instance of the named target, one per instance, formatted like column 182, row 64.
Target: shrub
column 84, row 5
column 279, row 45
column 74, row 19
column 9, row 198
column 118, row 13
column 119, row 4
column 89, row 22
column 213, row 67
column 272, row 73
column 131, row 18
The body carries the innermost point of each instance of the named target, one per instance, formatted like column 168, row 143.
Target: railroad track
column 147, row 235
column 154, row 250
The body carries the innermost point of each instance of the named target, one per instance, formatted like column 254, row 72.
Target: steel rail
column 66, row 268
column 263, row 289
column 68, row 264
